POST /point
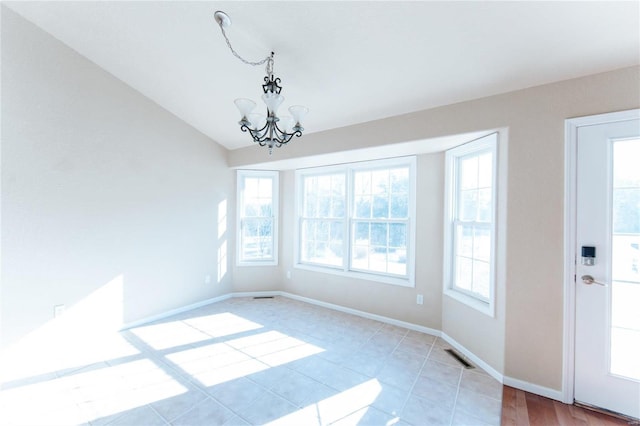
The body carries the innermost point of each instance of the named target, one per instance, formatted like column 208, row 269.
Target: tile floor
column 249, row 361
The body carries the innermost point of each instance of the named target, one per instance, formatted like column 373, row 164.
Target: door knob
column 588, row 279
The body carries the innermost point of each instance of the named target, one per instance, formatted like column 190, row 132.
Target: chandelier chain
column 268, row 60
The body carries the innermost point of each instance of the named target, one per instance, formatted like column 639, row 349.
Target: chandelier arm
column 296, row 134
column 262, row 133
column 270, row 132
column 255, row 134
column 284, row 136
column 257, row 137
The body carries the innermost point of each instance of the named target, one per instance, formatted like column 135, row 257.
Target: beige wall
column 533, row 290
column 101, row 189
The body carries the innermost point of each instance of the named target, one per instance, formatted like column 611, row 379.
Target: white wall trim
column 475, row 359
column 152, row 318
column 533, row 388
column 489, row 143
column 568, row 348
column 274, row 293
column 570, row 255
column 200, row 304
column 363, row 314
column 347, row 170
column 274, row 175
column 257, row 294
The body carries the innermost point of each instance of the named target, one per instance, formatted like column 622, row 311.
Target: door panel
column 607, row 338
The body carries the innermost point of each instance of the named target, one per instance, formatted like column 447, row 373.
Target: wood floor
column 521, row 408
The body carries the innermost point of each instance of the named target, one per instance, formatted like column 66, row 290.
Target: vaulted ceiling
column 349, row 62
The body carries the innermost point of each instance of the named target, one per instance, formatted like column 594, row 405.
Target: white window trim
column 489, row 142
column 344, row 271
column 274, row 175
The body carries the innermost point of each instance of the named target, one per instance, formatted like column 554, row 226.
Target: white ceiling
column 349, row 62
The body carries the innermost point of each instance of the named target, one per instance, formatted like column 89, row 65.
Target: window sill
column 385, row 279
column 258, row 263
column 479, row 305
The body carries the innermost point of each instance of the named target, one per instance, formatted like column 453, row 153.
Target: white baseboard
column 152, row 318
column 340, row 308
column 533, row 388
column 200, row 304
column 476, row 360
column 363, row 314
column 256, row 294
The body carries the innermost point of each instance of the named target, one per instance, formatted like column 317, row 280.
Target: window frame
column 321, row 171
column 453, row 156
column 275, row 202
column 348, row 170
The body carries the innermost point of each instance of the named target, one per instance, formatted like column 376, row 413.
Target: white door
column 607, row 336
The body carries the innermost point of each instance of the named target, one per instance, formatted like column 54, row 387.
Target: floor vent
column 460, row 359
column 263, row 297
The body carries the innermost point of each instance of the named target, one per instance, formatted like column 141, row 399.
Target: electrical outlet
column 58, row 310
column 419, row 299
column 207, row 279
column 288, row 275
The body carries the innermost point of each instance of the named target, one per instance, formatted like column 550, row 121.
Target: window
column 357, row 219
column 470, row 207
column 257, row 217
column 323, row 219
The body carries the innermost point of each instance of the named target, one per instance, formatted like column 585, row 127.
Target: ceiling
column 348, row 62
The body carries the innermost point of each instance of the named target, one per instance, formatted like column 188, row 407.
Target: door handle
column 588, row 279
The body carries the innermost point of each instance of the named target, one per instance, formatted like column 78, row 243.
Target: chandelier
column 268, row 130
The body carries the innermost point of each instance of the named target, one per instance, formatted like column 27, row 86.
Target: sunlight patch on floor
column 85, row 396
column 223, row 324
column 336, row 407
column 169, row 334
column 221, row 362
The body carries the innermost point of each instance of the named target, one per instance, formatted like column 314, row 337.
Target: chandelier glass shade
column 271, row 130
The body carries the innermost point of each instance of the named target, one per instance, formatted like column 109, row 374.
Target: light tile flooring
column 252, row 361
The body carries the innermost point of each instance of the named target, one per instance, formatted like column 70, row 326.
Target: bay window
column 358, row 219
